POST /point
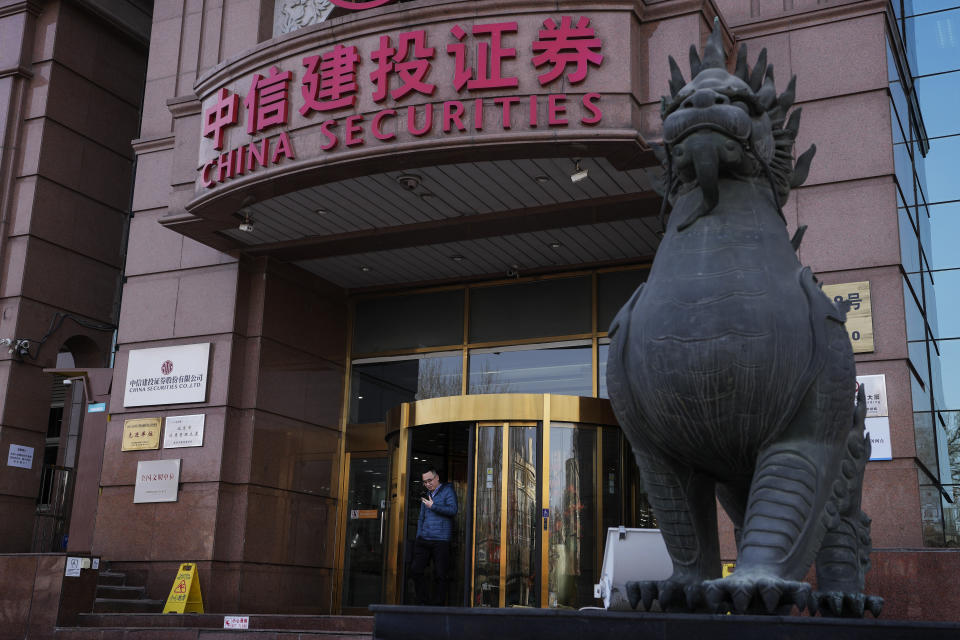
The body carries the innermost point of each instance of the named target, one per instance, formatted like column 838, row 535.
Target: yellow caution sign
column 728, row 568
column 185, row 594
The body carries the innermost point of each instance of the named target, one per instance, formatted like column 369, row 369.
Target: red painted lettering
column 225, row 166
column 412, row 120
column 258, row 155
column 377, row 120
column 507, row 103
column 590, row 101
column 208, row 182
column 555, row 109
column 354, row 131
column 284, row 147
column 478, row 114
column 332, row 139
column 453, row 113
column 533, row 111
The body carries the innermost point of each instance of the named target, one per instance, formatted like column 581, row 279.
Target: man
column 438, row 507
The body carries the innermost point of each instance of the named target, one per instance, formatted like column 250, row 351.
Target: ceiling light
column 542, row 179
column 409, row 181
column 579, row 173
column 364, row 268
column 322, row 212
column 457, row 258
column 555, row 245
column 247, row 225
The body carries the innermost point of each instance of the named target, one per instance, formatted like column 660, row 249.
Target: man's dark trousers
column 423, row 551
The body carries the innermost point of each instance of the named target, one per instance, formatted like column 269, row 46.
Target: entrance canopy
column 436, row 140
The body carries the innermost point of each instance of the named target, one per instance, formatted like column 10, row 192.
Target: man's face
column 430, row 481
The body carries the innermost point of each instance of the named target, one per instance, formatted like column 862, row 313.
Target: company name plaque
column 20, row 456
column 183, row 431
column 157, row 481
column 141, row 434
column 167, row 375
column 877, row 422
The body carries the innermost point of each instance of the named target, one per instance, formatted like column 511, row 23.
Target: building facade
column 367, row 238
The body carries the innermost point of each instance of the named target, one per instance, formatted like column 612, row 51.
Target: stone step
column 124, row 605
column 353, row 627
column 111, row 578
column 86, row 633
column 120, row 592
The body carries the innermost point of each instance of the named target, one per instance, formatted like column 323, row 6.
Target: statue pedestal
column 416, row 623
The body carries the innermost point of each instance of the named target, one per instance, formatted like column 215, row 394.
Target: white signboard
column 157, row 481
column 73, row 567
column 20, row 456
column 878, row 421
column 236, row 622
column 183, row 431
column 167, row 375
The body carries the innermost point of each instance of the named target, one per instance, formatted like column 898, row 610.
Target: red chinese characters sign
column 401, row 67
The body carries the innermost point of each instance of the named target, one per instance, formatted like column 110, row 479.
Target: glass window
column 947, row 305
column 909, row 244
column 563, row 368
column 935, row 40
column 523, row 518
column 941, row 182
column 409, row 322
column 573, row 526
column 486, row 576
column 913, row 7
column 554, row 307
column 915, row 327
column 380, row 385
column 603, row 352
column 944, row 231
column 904, row 172
column 613, row 291
column 950, row 372
column 939, row 96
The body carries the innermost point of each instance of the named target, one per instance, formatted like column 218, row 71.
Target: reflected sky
column 565, row 371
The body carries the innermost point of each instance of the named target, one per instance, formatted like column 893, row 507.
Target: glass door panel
column 573, row 512
column 522, row 518
column 486, row 552
column 363, row 553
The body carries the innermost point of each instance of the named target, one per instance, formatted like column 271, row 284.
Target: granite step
column 354, row 627
column 125, row 605
column 120, row 592
column 111, row 578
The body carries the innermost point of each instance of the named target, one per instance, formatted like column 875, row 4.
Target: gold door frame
column 502, row 409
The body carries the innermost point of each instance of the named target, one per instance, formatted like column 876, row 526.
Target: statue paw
column 841, row 604
column 764, row 594
column 670, row 595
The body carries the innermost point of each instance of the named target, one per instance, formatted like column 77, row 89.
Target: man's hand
column 427, row 501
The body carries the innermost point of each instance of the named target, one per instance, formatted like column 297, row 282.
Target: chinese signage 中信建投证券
column 140, row 434
column 557, row 54
column 859, row 314
column 877, row 423
column 167, row 375
column 183, row 431
column 157, row 481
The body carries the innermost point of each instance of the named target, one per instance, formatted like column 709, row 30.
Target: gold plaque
column 860, row 316
column 140, row 434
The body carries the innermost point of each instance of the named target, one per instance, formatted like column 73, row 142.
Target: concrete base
column 416, row 623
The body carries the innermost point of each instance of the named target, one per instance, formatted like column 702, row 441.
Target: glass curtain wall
column 925, row 89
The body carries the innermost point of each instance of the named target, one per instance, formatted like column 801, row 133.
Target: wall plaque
column 860, row 316
column 167, row 375
column 183, row 431
column 20, row 456
column 140, row 434
column 878, row 420
column 157, row 481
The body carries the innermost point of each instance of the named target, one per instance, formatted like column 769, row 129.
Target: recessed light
column 555, row 245
column 542, row 179
column 322, row 212
column 457, row 258
column 364, row 268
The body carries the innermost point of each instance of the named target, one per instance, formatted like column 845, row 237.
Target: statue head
column 729, row 125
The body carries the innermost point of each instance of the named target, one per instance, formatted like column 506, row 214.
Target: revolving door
column 538, row 478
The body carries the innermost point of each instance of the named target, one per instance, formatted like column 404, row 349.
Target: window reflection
column 380, row 385
column 557, row 369
column 573, row 525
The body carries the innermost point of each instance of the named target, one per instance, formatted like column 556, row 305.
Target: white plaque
column 183, row 431
column 879, row 430
column 875, row 388
column 73, row 567
column 167, row 375
column 20, row 456
column 157, row 481
column 236, row 622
